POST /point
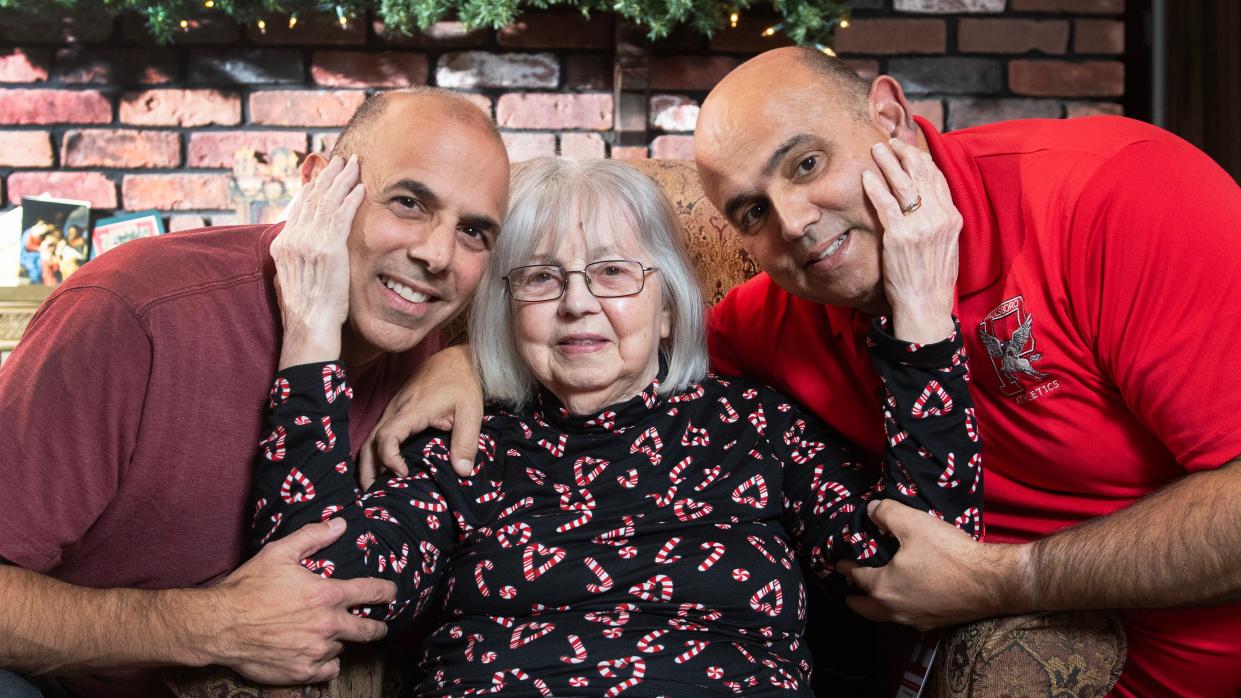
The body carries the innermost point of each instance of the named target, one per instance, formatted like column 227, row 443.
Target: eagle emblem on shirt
column 1007, row 333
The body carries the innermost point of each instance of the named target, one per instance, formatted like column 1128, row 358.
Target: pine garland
column 806, row 22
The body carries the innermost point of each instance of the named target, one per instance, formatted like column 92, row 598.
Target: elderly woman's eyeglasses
column 609, row 278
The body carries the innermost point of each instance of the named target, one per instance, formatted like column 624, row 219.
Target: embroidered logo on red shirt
column 1014, row 356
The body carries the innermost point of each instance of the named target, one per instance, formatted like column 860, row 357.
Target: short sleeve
column 1161, row 227
column 71, row 402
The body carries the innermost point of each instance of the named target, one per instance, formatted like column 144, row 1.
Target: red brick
column 949, row 6
column 116, row 66
column 53, row 27
column 34, row 106
column 473, row 69
column 747, row 36
column 558, row 30
column 304, row 107
column 200, row 31
column 24, row 65
column 629, row 152
column 673, row 113
column 1065, row 79
column 440, row 34
column 168, row 107
column 368, row 69
column 120, row 148
column 588, row 72
column 673, row 148
column 930, row 109
column 87, row 186
column 311, row 29
column 892, row 36
column 526, row 146
column 175, row 192
column 585, row 111
column 690, row 72
column 1012, row 36
column 324, row 142
column 1078, row 109
column 1098, row 36
column 869, row 70
column 185, row 221
column 216, row 148
column 1082, row 7
column 582, row 146
column 25, row 149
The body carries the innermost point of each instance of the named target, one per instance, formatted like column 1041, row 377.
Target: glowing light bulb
column 208, row 4
column 733, row 19
column 262, row 26
column 185, row 24
column 292, row 21
column 844, row 24
column 769, row 31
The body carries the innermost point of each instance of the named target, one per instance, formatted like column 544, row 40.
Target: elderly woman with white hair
column 632, row 523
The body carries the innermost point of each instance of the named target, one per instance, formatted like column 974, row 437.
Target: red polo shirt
column 1099, row 260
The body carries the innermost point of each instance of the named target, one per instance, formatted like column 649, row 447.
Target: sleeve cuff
column 321, row 383
column 938, row 355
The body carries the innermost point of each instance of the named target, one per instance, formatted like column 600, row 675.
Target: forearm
column 48, row 626
column 1176, row 547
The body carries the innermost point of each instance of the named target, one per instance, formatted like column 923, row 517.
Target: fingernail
column 894, row 141
column 353, row 158
column 465, row 464
column 877, row 147
column 335, row 524
column 870, row 508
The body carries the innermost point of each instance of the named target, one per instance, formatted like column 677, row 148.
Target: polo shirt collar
column 981, row 261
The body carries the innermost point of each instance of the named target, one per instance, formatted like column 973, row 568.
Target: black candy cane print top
column 648, row 549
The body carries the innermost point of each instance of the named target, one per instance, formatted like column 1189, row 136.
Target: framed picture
column 11, row 248
column 110, row 232
column 54, row 240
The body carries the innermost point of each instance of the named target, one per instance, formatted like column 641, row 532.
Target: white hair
column 549, row 196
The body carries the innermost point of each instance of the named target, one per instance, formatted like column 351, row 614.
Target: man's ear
column 311, row 166
column 890, row 111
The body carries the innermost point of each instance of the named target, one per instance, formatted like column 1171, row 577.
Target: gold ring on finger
column 912, row 206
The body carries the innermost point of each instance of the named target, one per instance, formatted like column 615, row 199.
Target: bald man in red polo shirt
column 1097, row 283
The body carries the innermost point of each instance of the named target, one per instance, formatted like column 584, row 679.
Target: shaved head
column 358, row 134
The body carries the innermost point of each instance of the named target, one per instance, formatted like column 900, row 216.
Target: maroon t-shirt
column 131, row 410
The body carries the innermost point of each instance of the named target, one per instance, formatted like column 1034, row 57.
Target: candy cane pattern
column 333, row 389
column 307, row 492
column 946, row 480
column 971, row 424
column 675, row 473
column 273, row 445
column 605, row 420
column 519, row 528
column 629, row 480
column 657, row 588
column 528, row 569
column 605, row 579
column 556, row 449
column 664, row 556
column 695, row 647
column 688, row 509
column 976, row 464
column 279, row 393
column 759, row 420
column 771, row 608
column 583, row 477
column 648, row 442
column 323, row 568
column 694, row 436
column 437, row 503
column 579, row 651
column 729, row 415
column 606, row 669
column 711, row 474
column 647, row 643
column 717, row 551
column 396, row 563
column 518, row 639
column 921, row 411
column 756, row 482
column 327, row 431
column 483, row 566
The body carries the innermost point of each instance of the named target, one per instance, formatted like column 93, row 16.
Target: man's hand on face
column 940, row 576
column 921, row 227
column 280, row 623
column 443, row 394
column 312, row 264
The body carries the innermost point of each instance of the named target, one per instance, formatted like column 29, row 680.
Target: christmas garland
column 806, row 22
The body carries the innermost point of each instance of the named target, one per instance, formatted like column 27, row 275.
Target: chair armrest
column 1078, row 654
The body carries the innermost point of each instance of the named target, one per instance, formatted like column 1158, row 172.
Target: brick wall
column 92, row 109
